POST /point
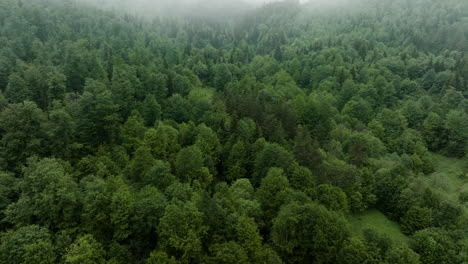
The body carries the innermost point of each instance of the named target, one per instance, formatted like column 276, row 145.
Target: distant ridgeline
column 225, row 132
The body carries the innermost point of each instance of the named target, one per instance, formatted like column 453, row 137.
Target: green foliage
column 416, row 218
column 48, row 196
column 237, row 162
column 29, row 244
column 394, row 125
column 85, row 250
column 271, row 155
column 159, row 175
column 434, row 246
column 306, row 151
column 401, row 255
column 163, row 141
column 308, row 231
column 177, row 108
column 362, row 146
column 122, row 203
column 132, row 132
column 129, row 138
column 272, row 193
column 141, row 164
column 8, row 190
column 248, row 235
column 124, row 87
column 149, row 207
column 268, row 255
column 354, row 251
column 182, row 229
column 333, row 198
column 151, row 110
column 434, row 132
column 190, row 166
column 301, row 178
column 98, row 122
column 22, row 133
column 228, row 253
column 96, row 211
column 456, row 125
column 242, row 194
column 62, row 133
column 159, row 257
column 359, row 109
column 317, row 114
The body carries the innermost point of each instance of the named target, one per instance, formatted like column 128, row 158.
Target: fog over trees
column 233, row 132
column 200, row 8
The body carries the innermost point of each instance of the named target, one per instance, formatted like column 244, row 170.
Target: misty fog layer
column 217, row 8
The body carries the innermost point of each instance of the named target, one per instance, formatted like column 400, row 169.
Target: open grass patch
column 374, row 219
column 449, row 176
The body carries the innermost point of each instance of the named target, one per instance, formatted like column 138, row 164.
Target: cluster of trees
column 248, row 141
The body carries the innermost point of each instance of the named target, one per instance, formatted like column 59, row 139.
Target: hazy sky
column 183, row 2
column 217, row 8
column 266, row 1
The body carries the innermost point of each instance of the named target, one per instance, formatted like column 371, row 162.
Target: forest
column 286, row 133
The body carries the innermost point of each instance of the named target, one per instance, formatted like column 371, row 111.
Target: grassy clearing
column 374, row 219
column 447, row 178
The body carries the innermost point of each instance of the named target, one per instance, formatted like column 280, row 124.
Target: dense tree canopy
column 249, row 139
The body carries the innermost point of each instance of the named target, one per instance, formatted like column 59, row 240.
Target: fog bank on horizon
column 218, row 8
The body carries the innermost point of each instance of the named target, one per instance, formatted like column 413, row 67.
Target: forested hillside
column 286, row 135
